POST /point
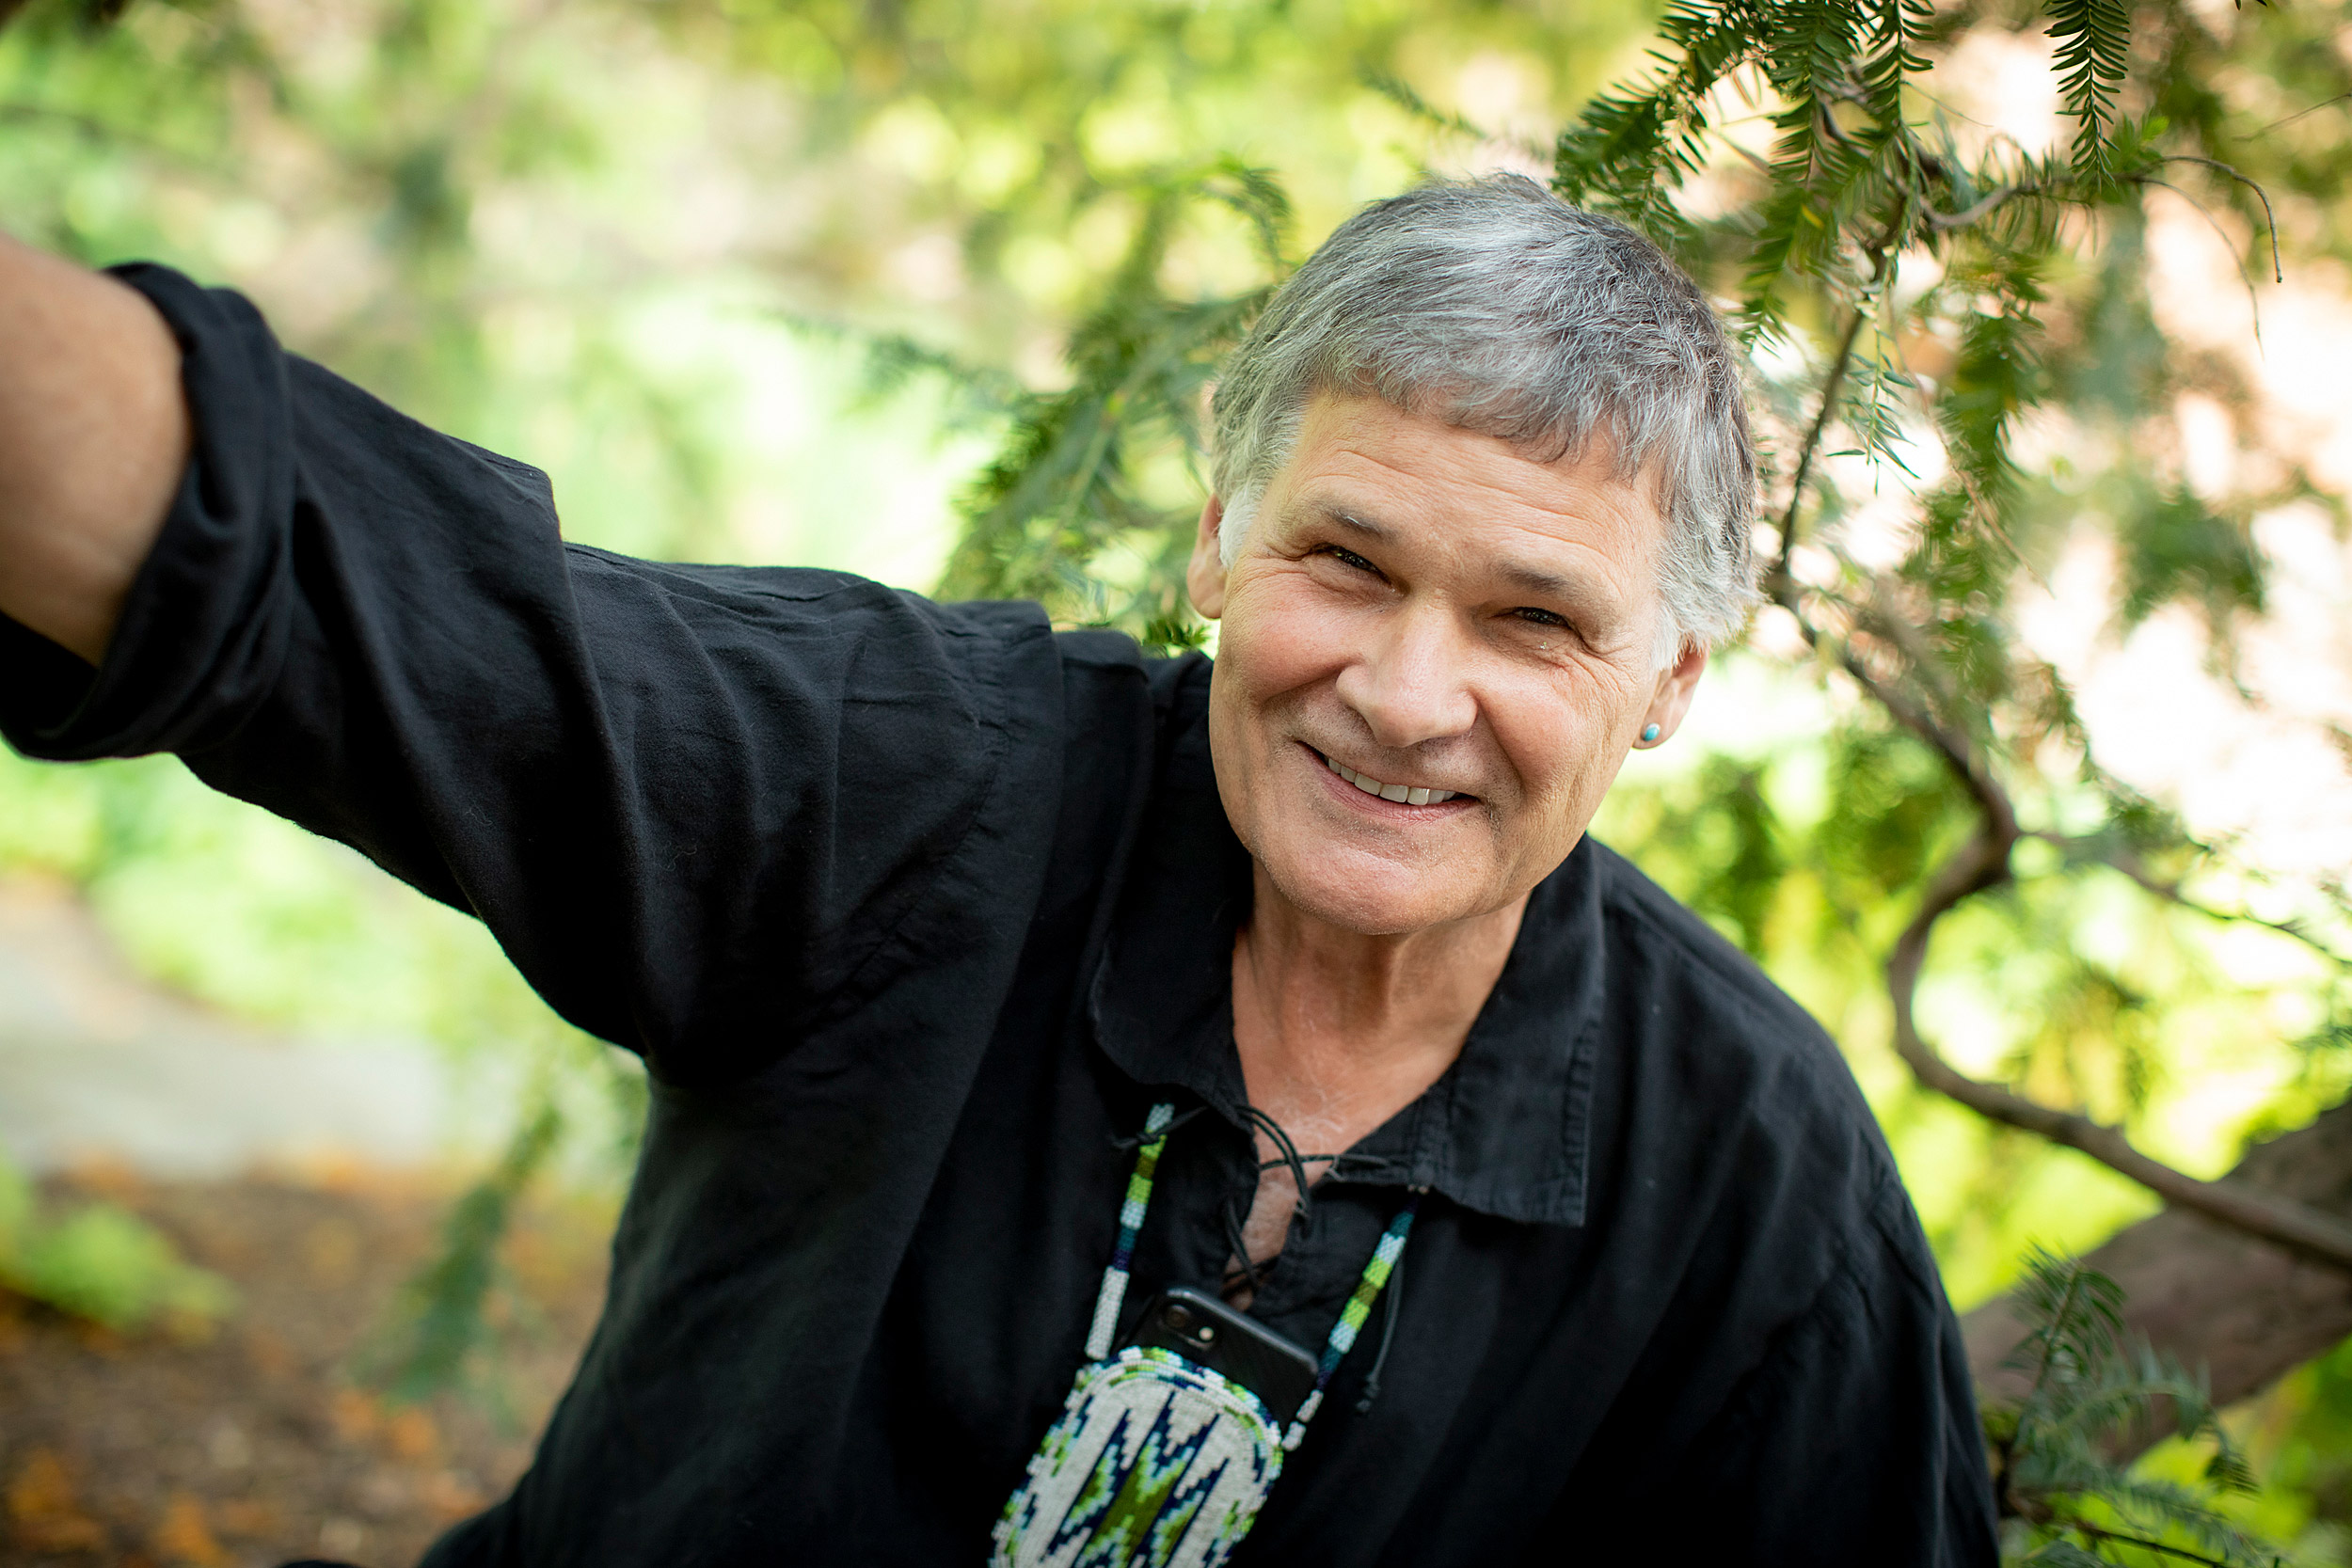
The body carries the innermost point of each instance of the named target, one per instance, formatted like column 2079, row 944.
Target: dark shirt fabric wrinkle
column 913, row 912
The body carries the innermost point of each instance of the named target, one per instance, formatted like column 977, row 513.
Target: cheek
column 1557, row 731
column 1278, row 642
column 1542, row 743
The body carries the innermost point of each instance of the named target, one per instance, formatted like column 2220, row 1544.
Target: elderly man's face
column 1433, row 611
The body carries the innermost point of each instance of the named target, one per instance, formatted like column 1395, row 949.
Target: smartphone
column 1202, row 1328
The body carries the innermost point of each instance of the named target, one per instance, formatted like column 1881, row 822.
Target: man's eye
column 1541, row 617
column 1348, row 558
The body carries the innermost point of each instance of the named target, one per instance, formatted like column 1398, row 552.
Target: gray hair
column 1498, row 308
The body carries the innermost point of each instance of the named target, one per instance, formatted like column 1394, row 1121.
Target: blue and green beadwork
column 1156, row 1461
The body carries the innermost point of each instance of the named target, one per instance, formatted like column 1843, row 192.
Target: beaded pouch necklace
column 1158, row 1461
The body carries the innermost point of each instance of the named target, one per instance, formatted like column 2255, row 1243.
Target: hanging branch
column 1983, row 864
column 2270, row 220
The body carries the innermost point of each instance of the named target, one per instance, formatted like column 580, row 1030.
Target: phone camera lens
column 1178, row 1317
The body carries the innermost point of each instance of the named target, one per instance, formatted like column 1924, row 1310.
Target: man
column 985, row 972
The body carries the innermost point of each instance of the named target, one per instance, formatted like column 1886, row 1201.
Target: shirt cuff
column 195, row 636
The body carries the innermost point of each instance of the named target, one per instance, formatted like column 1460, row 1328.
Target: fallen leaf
column 44, row 1515
column 411, row 1435
column 185, row 1538
column 450, row 1498
column 356, row 1414
column 247, row 1517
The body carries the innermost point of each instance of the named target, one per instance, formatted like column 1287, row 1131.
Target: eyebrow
column 1531, row 579
column 1543, row 584
column 1379, row 534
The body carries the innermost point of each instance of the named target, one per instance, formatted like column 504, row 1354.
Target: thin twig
column 2130, row 866
column 2094, row 1532
column 2253, row 303
column 1992, row 801
column 1755, row 160
column 2270, row 220
column 1941, row 222
column 1781, row 586
column 2265, row 130
column 1831, row 386
column 1887, row 621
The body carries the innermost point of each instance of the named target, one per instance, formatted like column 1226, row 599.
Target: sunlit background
column 749, row 281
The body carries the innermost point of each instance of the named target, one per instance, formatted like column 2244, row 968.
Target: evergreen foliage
column 2064, row 1499
column 1063, row 494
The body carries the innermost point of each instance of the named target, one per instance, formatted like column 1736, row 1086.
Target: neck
column 1338, row 1030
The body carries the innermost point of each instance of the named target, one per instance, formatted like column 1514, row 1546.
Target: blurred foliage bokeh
column 932, row 290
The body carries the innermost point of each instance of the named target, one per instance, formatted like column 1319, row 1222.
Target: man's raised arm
column 692, row 801
column 94, row 439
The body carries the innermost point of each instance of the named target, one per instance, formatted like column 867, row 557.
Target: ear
column 1204, row 574
column 1676, row 684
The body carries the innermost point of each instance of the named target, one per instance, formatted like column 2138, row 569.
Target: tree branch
column 2253, row 301
column 1945, row 222
column 1958, row 755
column 2323, row 103
column 1781, row 586
column 1991, row 799
column 1983, row 863
column 2130, row 866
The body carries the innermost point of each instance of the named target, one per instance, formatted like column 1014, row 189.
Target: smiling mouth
column 1402, row 794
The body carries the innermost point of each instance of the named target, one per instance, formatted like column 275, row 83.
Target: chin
column 1379, row 900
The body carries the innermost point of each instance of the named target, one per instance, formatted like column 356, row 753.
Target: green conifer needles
column 2064, row 1499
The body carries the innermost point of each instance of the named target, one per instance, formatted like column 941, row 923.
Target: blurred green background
column 762, row 282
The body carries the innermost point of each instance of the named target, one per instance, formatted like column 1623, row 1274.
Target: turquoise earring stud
column 1650, row 736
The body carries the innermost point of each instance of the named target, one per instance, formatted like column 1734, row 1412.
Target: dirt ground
column 255, row 1444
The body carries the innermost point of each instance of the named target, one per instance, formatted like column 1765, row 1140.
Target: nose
column 1412, row 683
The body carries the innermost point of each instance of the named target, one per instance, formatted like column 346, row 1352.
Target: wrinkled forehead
column 1540, row 427
column 1421, row 446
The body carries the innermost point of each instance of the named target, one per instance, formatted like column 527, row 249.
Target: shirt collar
column 1505, row 1131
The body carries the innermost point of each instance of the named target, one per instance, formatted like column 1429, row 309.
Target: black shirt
column 914, row 911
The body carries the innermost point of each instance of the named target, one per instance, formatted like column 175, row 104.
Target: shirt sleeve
column 693, row 804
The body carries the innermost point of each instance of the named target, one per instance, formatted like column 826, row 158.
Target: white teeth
column 1403, row 794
